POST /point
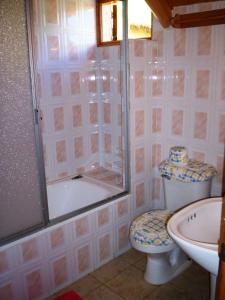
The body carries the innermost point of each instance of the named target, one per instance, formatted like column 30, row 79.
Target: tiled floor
column 122, row 279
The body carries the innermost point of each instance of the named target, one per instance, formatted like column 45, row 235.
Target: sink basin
column 196, row 229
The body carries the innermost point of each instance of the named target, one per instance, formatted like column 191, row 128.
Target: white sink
column 196, row 230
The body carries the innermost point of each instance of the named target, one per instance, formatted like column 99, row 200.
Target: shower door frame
column 38, row 137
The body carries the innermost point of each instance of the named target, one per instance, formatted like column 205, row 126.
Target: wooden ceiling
column 163, row 9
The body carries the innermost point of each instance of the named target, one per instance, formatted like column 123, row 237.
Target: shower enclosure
column 81, row 105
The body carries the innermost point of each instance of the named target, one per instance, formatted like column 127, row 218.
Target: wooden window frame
column 99, row 24
column 100, row 43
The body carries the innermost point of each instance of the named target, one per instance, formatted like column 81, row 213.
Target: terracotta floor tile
column 102, row 293
column 166, row 292
column 130, row 284
column 194, row 282
column 132, row 256
column 85, row 285
column 111, row 269
column 141, row 264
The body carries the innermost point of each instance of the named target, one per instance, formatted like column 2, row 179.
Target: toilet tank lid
column 194, row 171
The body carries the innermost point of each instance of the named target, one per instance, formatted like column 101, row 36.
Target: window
column 109, row 21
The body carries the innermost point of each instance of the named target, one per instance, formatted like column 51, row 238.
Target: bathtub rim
column 112, row 191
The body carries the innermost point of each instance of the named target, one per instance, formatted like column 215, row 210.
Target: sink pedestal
column 213, row 278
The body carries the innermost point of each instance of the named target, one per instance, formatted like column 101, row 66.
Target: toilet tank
column 179, row 194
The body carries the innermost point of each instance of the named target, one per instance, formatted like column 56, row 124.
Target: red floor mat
column 71, row 295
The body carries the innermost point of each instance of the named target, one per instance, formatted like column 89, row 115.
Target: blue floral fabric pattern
column 149, row 229
column 194, row 171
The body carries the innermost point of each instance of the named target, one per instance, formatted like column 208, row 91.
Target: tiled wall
column 177, row 98
column 78, row 89
column 45, row 262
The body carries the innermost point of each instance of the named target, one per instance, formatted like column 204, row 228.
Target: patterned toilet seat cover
column 149, row 229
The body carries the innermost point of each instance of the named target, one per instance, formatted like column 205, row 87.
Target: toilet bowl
column 165, row 260
column 184, row 181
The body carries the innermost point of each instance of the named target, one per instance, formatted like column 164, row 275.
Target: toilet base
column 163, row 267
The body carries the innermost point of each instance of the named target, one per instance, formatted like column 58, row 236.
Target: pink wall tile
column 139, row 84
column 103, row 216
column 204, row 40
column 34, row 284
column 29, row 250
column 122, row 208
column 58, row 116
column 91, row 53
column 156, row 155
column 75, row 83
column 139, row 123
column 138, row 48
column 78, row 147
column 104, row 247
column 157, row 51
column 83, row 255
column 108, row 142
column 200, row 125
column 156, row 120
column 61, row 151
column 105, row 52
column 63, row 175
column 139, row 160
column 140, row 194
column 3, row 262
column 179, row 42
column 177, row 122
column 222, row 129
column 56, row 84
column 156, row 188
column 94, row 142
column 60, row 272
column 81, row 226
column 219, row 167
column 107, row 113
column 6, row 292
column 223, row 86
column 57, row 237
column 178, row 83
column 71, row 8
column 202, row 84
column 91, row 77
column 53, row 47
column 199, row 156
column 72, row 48
column 51, row 10
column 106, row 81
column 157, row 82
column 123, row 236
column 93, row 113
column 77, row 115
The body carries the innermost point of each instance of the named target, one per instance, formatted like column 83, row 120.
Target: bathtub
column 70, row 195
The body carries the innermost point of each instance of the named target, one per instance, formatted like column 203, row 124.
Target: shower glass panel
column 80, row 94
column 21, row 208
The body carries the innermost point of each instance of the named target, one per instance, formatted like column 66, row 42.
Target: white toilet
column 148, row 233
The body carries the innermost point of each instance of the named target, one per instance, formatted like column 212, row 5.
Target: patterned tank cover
column 194, row 171
column 149, row 229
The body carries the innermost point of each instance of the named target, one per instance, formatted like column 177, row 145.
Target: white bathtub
column 70, row 195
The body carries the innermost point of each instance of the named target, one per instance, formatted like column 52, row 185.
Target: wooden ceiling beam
column 162, row 10
column 173, row 3
column 206, row 18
